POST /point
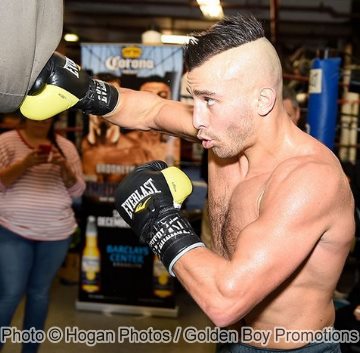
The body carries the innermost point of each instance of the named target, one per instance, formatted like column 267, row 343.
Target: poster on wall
column 118, row 273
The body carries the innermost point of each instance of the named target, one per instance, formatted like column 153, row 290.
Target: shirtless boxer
column 281, row 209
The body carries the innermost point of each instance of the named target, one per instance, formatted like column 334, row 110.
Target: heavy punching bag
column 323, row 96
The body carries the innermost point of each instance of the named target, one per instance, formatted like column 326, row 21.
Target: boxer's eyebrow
column 205, row 92
column 199, row 93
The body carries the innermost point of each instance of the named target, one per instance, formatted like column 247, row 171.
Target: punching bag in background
column 323, row 96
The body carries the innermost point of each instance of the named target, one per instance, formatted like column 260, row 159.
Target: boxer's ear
column 266, row 101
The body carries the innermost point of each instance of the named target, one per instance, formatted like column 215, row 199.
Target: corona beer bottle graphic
column 90, row 264
column 162, row 283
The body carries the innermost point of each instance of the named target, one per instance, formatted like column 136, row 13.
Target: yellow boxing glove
column 149, row 200
column 62, row 85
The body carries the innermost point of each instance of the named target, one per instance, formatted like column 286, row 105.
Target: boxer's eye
column 209, row 101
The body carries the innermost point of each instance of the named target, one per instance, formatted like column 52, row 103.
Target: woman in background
column 40, row 173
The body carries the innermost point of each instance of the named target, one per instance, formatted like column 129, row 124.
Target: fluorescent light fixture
column 211, row 8
column 151, row 37
column 71, row 37
column 301, row 97
column 174, row 39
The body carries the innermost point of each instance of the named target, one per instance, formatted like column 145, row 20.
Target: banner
column 109, row 153
column 118, row 273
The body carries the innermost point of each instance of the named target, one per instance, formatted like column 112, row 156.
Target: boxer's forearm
column 147, row 111
column 207, row 278
column 225, row 289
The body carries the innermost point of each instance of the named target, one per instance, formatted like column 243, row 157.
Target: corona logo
column 131, row 52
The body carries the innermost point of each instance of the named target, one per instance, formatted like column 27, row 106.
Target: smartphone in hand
column 45, row 149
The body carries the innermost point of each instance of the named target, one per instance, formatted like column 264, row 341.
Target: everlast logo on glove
column 133, row 202
column 170, row 227
column 72, row 67
column 101, row 91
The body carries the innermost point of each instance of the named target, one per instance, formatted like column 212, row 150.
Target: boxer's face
column 224, row 103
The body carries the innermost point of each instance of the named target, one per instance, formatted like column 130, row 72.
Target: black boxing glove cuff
column 185, row 249
column 172, row 237
column 101, row 98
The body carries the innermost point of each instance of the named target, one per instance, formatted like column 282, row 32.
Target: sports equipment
column 62, row 85
column 149, row 200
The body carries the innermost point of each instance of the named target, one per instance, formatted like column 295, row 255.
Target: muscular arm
column 147, row 111
column 296, row 211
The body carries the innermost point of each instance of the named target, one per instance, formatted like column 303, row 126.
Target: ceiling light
column 71, row 37
column 151, row 37
column 174, row 39
column 211, row 8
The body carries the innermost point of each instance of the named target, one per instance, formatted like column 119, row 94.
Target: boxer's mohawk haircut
column 231, row 32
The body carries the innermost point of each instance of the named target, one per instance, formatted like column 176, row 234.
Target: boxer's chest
column 231, row 211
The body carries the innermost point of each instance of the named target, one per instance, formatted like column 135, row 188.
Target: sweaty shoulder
column 314, row 181
column 305, row 166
